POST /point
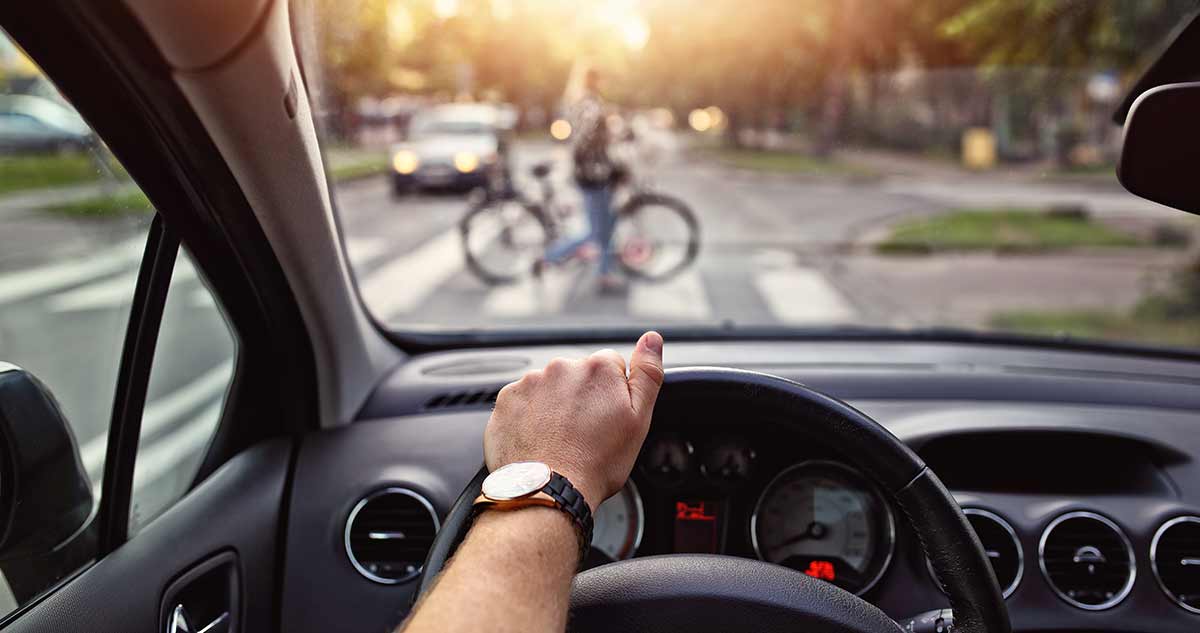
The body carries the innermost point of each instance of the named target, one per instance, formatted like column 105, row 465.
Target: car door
column 182, row 435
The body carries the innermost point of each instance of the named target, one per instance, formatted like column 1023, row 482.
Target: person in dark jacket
column 596, row 174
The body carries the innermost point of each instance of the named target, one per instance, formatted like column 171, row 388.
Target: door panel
column 237, row 509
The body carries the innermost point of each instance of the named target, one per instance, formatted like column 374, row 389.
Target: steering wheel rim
column 943, row 531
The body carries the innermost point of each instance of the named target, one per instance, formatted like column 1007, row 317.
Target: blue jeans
column 597, row 202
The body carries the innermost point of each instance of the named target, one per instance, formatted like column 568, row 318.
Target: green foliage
column 130, row 202
column 19, row 173
column 1003, row 230
column 765, row 62
column 1135, row 327
column 1075, row 33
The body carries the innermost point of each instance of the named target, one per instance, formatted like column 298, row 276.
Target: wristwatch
column 523, row 484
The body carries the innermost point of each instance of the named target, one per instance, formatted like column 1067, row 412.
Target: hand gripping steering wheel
column 696, row 593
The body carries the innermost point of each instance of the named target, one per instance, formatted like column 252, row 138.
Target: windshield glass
column 902, row 164
column 435, row 127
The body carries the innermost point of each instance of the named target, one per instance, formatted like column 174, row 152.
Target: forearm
column 512, row 573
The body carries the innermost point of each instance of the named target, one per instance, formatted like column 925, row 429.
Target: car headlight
column 405, row 161
column 466, row 162
column 560, row 130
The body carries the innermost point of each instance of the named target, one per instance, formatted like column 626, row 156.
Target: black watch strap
column 573, row 503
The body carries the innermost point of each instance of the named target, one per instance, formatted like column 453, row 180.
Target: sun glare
column 635, row 32
column 445, row 8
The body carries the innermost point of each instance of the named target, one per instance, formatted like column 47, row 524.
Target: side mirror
column 1160, row 153
column 45, row 493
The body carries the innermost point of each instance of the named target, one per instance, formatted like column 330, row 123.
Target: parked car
column 36, row 124
column 453, row 146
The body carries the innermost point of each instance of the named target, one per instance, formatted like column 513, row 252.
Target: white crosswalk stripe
column 17, row 286
column 790, row 292
column 803, row 296
column 365, row 249
column 107, row 294
column 531, row 297
column 404, row 283
column 682, row 297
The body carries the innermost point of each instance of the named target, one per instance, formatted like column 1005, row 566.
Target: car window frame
column 119, row 83
column 132, row 384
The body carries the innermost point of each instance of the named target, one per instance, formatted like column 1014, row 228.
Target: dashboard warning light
column 822, row 569
column 693, row 511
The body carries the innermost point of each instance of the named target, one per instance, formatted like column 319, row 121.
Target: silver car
column 452, row 146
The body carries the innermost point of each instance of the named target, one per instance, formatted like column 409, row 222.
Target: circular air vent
column 1087, row 560
column 389, row 533
column 1175, row 557
column 1001, row 545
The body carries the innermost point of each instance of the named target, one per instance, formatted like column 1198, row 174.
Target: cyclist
column 596, row 173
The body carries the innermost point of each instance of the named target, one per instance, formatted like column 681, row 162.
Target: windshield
column 433, row 127
column 808, row 164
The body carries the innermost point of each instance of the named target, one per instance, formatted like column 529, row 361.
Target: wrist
column 530, row 526
column 592, row 495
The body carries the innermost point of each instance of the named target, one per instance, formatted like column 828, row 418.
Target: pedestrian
column 596, row 173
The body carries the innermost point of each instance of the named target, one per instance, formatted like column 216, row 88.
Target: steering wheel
column 695, row 593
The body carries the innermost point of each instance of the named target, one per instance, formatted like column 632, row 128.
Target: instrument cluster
column 725, row 493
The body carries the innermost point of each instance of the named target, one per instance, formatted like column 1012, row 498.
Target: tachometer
column 618, row 524
column 826, row 520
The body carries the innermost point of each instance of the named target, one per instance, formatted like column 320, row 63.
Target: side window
column 73, row 230
column 192, row 370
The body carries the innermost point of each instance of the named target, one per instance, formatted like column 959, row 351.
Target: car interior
column 987, row 481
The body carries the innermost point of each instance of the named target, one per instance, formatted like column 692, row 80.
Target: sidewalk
column 32, row 239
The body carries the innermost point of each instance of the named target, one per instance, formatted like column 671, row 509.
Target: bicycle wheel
column 502, row 238
column 656, row 237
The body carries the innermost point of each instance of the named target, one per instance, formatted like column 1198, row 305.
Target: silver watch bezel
column 505, row 477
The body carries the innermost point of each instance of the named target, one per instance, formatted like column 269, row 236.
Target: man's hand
column 584, row 418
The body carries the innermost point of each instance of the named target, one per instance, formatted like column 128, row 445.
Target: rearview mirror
column 1160, row 153
column 45, row 493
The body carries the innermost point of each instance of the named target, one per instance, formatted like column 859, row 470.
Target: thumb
column 646, row 372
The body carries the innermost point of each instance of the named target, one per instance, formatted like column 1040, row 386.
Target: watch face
column 516, row 480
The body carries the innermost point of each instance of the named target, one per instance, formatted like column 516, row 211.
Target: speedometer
column 826, row 520
column 617, row 525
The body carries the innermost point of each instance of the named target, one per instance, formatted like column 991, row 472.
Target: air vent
column 462, row 399
column 1001, row 545
column 1087, row 560
column 1175, row 556
column 389, row 533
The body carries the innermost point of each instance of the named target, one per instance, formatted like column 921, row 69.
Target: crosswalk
column 431, row 285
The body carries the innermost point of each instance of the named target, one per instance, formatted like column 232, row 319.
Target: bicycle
column 504, row 232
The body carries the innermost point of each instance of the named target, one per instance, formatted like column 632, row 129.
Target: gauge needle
column 815, row 531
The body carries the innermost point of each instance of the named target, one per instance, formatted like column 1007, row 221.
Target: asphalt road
column 775, row 250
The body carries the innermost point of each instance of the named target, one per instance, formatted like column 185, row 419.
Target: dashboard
column 1078, row 471
column 711, row 491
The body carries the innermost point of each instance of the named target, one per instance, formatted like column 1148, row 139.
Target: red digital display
column 693, row 511
column 822, row 569
column 696, row 527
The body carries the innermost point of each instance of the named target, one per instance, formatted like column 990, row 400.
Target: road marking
column 682, row 297
column 8, row 602
column 403, row 284
column 530, row 296
column 186, row 440
column 164, row 412
column 362, row 250
column 16, row 286
column 804, row 296
column 202, row 298
column 108, row 294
